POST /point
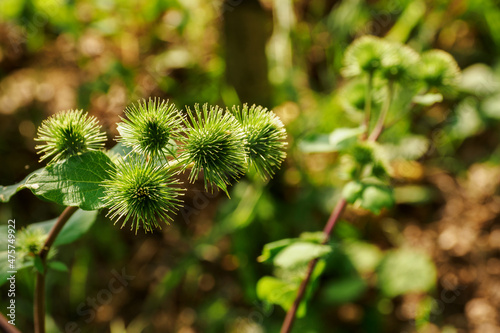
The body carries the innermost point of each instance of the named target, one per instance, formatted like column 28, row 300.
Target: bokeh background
column 200, row 273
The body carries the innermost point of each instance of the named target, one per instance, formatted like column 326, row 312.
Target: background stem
column 290, row 315
column 379, row 127
column 6, row 327
column 330, row 224
column 368, row 105
column 39, row 301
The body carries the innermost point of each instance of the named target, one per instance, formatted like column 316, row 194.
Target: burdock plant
column 387, row 81
column 69, row 133
column 137, row 180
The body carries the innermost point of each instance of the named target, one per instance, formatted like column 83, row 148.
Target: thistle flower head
column 397, row 61
column 215, row 143
column 265, row 138
column 364, row 55
column 140, row 191
column 438, row 69
column 69, row 133
column 151, row 128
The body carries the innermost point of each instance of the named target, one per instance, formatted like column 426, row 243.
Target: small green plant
column 137, row 180
column 386, row 82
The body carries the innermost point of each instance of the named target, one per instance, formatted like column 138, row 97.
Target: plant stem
column 290, row 315
column 334, row 217
column 6, row 327
column 39, row 301
column 379, row 127
column 368, row 105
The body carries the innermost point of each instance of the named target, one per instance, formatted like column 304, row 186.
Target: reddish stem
column 39, row 301
column 330, row 224
column 6, row 327
column 290, row 315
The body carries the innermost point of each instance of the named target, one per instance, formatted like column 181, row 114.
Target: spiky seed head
column 397, row 61
column 362, row 153
column 143, row 192
column 30, row 241
column 438, row 69
column 265, row 138
column 69, row 133
column 215, row 143
column 364, row 55
column 151, row 128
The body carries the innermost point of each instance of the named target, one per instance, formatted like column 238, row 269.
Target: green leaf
column 313, row 237
column 340, row 139
column 403, row 271
column 58, row 266
column 119, row 150
column 319, row 143
column 6, row 192
column 343, row 138
column 375, row 198
column 490, row 106
column 352, row 191
column 411, row 147
column 300, row 253
column 74, row 182
column 78, row 224
column 428, row 99
column 270, row 250
column 283, row 292
column 39, row 264
column 277, row 291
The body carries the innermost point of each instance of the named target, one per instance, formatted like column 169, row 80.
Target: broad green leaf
column 428, row 99
column 375, row 198
column 340, row 139
column 352, row 191
column 78, row 224
column 403, row 271
column 411, row 147
column 283, row 292
column 490, row 106
column 74, row 182
column 343, row 138
column 6, row 192
column 118, row 150
column 300, row 253
column 314, row 237
column 270, row 250
column 479, row 80
column 58, row 266
column 277, row 291
column 345, row 290
column 316, row 144
column 467, row 121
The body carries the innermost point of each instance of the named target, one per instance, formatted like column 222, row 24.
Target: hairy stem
column 6, row 327
column 379, row 127
column 330, row 224
column 39, row 301
column 368, row 105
